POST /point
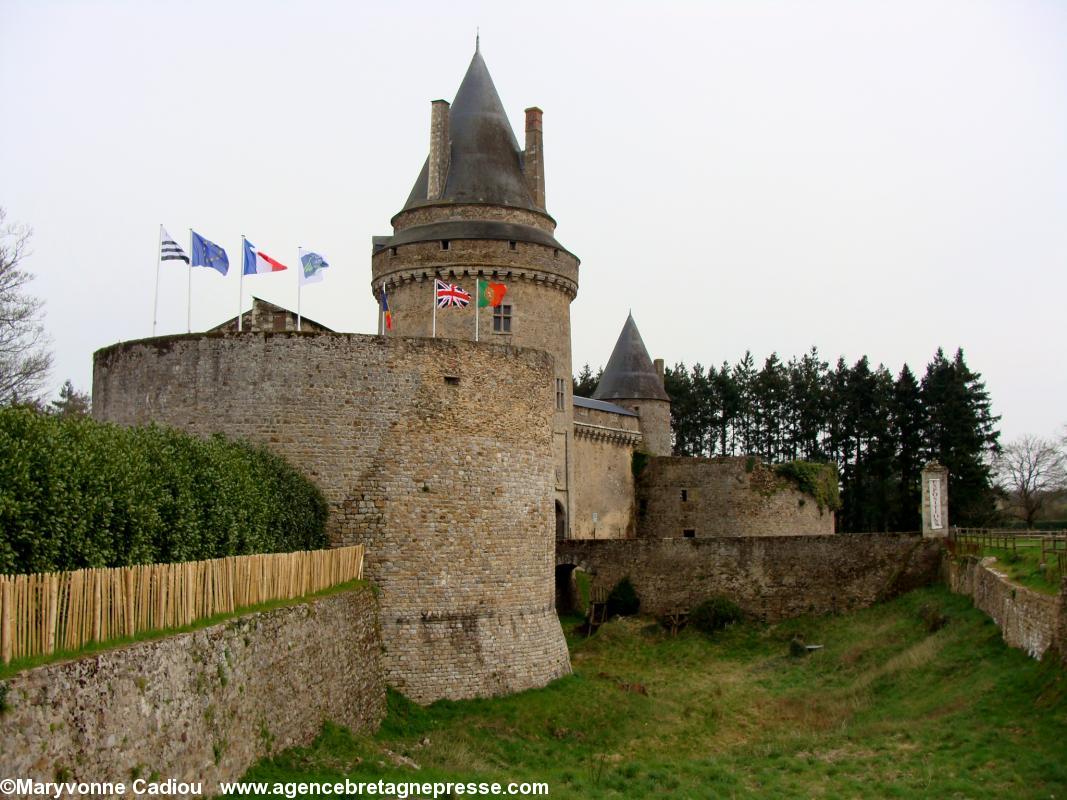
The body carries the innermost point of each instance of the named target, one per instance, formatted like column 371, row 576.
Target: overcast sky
column 869, row 178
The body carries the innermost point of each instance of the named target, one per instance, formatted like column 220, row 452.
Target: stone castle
column 460, row 457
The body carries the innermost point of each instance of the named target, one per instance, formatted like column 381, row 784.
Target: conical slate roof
column 630, row 374
column 485, row 162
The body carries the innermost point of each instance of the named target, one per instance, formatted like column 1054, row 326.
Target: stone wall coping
column 443, row 343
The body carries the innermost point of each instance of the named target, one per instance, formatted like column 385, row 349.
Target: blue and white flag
column 311, row 266
column 209, row 254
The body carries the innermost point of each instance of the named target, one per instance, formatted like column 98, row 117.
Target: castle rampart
column 435, row 454
column 723, row 496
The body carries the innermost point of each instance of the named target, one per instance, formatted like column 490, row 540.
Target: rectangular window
column 689, row 533
column 511, row 245
column 502, row 319
column 560, row 393
column 278, row 322
column 685, row 495
column 444, row 244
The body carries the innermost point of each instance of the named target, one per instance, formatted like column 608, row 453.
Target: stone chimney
column 440, row 149
column 659, row 369
column 533, row 166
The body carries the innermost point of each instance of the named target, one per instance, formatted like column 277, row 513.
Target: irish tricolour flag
column 258, row 262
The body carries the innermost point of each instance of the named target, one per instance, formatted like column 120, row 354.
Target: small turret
column 631, row 380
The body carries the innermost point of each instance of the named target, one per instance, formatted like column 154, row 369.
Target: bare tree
column 1032, row 471
column 24, row 355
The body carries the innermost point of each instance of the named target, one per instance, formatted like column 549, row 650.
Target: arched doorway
column 561, row 522
column 566, row 590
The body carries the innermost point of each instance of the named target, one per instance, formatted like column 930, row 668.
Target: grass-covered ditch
column 918, row 698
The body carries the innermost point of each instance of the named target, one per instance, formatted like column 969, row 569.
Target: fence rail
column 45, row 613
column 1053, row 544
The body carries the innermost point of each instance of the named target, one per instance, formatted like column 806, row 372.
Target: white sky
column 867, row 177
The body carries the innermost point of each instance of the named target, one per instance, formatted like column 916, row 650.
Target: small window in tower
column 502, row 319
column 689, row 533
column 392, row 251
column 512, row 245
column 685, row 495
column 278, row 321
column 555, row 252
column 560, row 394
column 444, row 244
column 452, row 380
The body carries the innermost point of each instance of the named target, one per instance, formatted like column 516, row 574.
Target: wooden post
column 97, row 610
column 53, row 605
column 127, row 575
column 5, row 620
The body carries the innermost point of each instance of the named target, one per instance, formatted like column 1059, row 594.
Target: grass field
column 1023, row 565
column 889, row 707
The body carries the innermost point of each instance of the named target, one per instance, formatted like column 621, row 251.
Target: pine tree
column 961, row 434
column 907, row 428
column 585, row 384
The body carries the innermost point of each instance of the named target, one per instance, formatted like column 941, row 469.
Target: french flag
column 257, row 262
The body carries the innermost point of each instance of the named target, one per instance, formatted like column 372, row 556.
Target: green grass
column 20, row 664
column 1023, row 565
column 886, row 709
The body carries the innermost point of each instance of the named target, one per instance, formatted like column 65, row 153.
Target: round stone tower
column 477, row 212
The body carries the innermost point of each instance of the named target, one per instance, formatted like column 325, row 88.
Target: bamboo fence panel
column 44, row 613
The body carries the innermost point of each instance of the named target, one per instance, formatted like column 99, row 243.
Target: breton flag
column 448, row 294
column 257, row 262
column 169, row 250
column 209, row 254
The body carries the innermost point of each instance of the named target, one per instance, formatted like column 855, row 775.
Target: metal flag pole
column 477, row 304
column 381, row 313
column 299, row 283
column 241, row 284
column 434, row 296
column 189, row 288
column 159, row 261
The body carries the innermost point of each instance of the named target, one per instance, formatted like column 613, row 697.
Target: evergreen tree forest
column 879, row 429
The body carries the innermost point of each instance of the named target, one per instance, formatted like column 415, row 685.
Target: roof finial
column 477, row 40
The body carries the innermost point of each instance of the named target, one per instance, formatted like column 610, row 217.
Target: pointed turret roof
column 630, row 374
column 486, row 161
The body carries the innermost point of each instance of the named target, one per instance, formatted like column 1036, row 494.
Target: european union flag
column 209, row 254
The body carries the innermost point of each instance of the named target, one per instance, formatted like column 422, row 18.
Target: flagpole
column 241, row 285
column 189, row 289
column 381, row 314
column 434, row 296
column 299, row 283
column 477, row 304
column 159, row 261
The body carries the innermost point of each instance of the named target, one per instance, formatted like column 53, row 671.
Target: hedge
column 78, row 493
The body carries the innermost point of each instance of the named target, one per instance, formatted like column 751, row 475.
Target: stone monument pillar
column 935, row 499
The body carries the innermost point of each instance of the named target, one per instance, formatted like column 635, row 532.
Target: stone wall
column 770, row 577
column 1027, row 619
column 603, row 474
column 724, row 496
column 199, row 706
column 435, row 454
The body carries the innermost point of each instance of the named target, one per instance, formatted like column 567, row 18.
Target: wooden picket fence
column 44, row 613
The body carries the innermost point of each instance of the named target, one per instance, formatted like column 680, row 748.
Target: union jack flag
column 448, row 294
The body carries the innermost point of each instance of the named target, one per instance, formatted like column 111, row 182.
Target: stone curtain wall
column 603, row 474
column 723, row 498
column 199, row 706
column 435, row 454
column 1027, row 619
column 772, row 578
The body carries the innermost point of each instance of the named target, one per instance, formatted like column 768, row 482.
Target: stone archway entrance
column 561, row 522
column 566, row 590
